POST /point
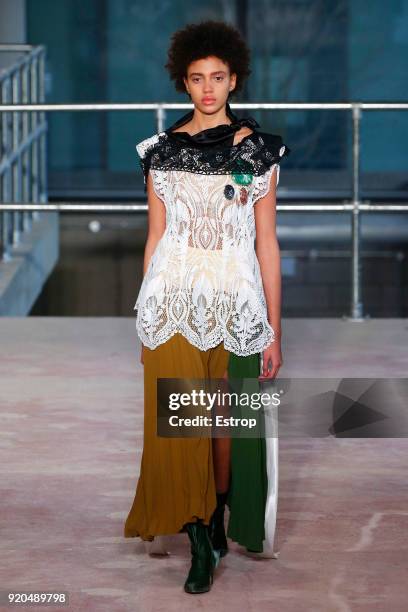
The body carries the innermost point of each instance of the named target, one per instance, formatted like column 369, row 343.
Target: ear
column 233, row 81
column 185, row 84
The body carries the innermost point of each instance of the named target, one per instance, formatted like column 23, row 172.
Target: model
column 209, row 305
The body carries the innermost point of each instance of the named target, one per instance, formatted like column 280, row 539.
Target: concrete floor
column 70, row 446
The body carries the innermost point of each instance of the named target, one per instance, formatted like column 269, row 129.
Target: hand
column 272, row 357
column 141, row 356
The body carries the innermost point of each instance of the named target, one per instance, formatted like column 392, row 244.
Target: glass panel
column 302, row 50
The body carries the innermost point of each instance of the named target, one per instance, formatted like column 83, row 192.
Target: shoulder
column 148, row 144
column 243, row 133
column 273, row 145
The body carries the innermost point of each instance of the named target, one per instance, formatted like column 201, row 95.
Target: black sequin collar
column 222, row 134
column 212, row 151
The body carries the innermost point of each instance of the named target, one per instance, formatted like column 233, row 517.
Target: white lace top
column 204, row 279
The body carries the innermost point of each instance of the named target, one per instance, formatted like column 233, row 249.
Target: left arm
column 268, row 253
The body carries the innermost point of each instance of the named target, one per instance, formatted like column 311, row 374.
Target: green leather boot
column 217, row 528
column 203, row 562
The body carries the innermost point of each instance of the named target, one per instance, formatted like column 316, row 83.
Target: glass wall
column 302, row 51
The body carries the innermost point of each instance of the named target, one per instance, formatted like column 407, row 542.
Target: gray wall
column 12, row 27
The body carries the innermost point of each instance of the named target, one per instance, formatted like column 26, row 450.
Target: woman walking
column 209, row 304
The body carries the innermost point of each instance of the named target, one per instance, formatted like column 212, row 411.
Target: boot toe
column 197, row 586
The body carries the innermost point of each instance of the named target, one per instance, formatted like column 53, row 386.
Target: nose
column 208, row 86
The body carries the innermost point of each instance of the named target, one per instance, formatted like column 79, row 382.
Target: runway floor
column 70, row 445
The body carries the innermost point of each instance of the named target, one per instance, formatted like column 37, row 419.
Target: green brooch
column 242, row 179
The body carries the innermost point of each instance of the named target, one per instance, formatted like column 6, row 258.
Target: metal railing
column 355, row 206
column 23, row 163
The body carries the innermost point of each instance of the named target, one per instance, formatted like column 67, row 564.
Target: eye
column 196, row 79
column 219, row 77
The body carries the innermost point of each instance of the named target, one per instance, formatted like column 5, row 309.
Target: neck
column 198, row 121
column 202, row 121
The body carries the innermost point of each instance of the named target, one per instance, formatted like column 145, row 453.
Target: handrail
column 106, row 207
column 12, row 47
column 128, row 106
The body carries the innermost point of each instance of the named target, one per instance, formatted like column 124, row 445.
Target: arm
column 268, row 253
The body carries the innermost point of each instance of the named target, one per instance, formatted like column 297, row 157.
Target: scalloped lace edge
column 219, row 336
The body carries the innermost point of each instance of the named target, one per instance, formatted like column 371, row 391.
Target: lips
column 208, row 100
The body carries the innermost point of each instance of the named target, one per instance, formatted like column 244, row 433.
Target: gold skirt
column 176, row 483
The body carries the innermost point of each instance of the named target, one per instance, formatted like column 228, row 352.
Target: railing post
column 6, row 227
column 26, row 161
column 35, row 166
column 16, row 164
column 160, row 118
column 356, row 300
column 43, row 135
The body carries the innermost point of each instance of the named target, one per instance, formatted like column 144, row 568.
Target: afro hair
column 200, row 40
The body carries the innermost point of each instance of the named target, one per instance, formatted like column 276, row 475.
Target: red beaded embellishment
column 243, row 195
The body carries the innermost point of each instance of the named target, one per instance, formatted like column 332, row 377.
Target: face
column 209, row 82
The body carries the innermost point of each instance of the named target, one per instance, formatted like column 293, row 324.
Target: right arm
column 156, row 226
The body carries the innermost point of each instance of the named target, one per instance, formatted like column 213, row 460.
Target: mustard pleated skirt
column 176, row 483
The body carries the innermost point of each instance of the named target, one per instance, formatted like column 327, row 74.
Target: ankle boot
column 217, row 528
column 200, row 576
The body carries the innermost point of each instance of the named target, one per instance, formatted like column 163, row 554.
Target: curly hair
column 200, row 40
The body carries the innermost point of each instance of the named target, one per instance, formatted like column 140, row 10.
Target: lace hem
column 219, row 336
